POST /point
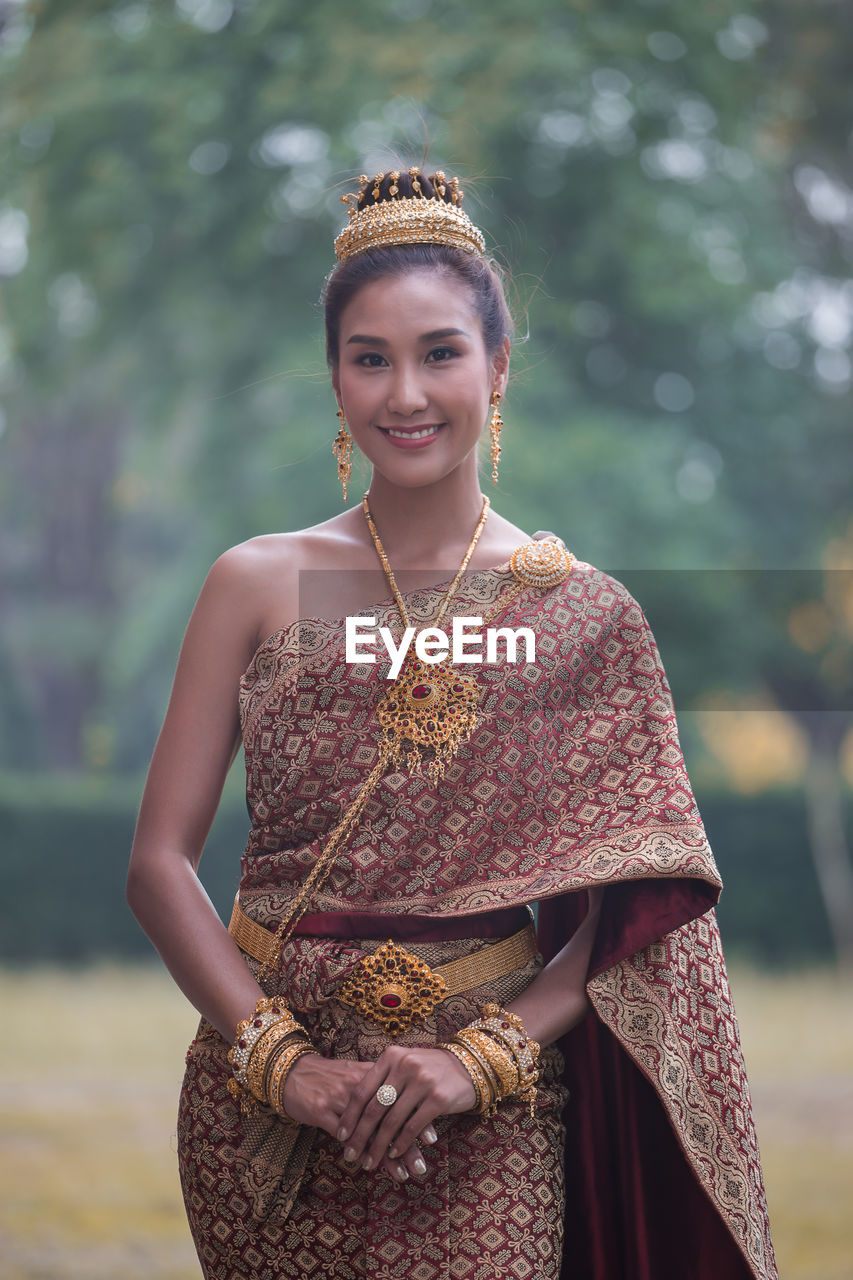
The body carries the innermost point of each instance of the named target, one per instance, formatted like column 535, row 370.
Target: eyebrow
column 433, row 336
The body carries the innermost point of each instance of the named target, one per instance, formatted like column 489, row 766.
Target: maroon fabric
column 634, row 914
column 633, row 1208
column 353, row 924
column 573, row 778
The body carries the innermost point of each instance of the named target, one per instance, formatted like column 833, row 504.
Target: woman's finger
column 379, row 1125
column 412, row 1131
column 364, row 1111
column 414, row 1160
column 399, row 1128
column 410, row 1164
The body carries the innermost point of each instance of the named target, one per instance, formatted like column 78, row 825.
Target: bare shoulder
column 260, row 578
column 242, row 565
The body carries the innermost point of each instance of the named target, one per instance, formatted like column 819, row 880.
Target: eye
column 371, row 360
column 439, row 355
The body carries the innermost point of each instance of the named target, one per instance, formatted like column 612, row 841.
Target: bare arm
column 556, row 1000
column 196, row 747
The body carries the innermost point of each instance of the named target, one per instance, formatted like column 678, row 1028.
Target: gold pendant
column 392, row 987
column 429, row 705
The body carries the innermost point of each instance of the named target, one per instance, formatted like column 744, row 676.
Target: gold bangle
column 264, row 1005
column 492, row 1090
column 523, row 1060
column 506, row 1032
column 260, row 1055
column 276, row 1050
column 509, row 1028
column 471, row 1066
column 269, row 1012
column 494, row 1011
column 278, row 1078
column 474, row 1067
column 500, row 1061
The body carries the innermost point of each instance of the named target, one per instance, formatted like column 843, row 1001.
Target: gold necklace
column 390, row 574
column 533, row 564
column 429, row 704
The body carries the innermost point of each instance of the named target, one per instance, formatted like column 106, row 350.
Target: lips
column 413, row 438
column 424, row 426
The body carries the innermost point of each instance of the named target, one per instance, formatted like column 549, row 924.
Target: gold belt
column 392, row 986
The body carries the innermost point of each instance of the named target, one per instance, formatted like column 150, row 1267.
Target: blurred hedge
column 64, row 848
column 64, row 845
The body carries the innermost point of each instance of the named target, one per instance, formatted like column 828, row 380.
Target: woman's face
column 414, row 378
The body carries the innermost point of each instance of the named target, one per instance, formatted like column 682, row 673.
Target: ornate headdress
column 407, row 219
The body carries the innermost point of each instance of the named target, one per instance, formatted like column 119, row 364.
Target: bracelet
column 502, row 1016
column 261, row 1054
column 499, row 1060
column 506, row 1058
column 267, row 1013
column 256, row 1040
column 491, row 1084
column 478, row 1080
column 278, row 1076
column 509, row 1029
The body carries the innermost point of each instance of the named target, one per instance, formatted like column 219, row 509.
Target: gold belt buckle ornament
column 392, row 987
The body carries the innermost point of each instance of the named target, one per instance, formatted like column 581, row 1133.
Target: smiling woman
column 413, row 385
column 379, row 1082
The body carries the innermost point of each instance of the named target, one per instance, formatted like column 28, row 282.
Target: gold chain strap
column 390, row 574
column 396, row 727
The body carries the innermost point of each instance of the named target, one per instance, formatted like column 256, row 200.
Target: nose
column 406, row 394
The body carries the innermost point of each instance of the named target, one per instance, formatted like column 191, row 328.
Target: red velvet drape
column 634, row 1208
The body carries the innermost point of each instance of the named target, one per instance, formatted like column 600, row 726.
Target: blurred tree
column 671, row 184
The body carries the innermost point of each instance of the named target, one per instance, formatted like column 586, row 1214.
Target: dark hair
column 482, row 275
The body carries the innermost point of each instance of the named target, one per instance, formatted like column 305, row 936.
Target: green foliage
column 64, row 846
column 670, row 184
column 180, row 169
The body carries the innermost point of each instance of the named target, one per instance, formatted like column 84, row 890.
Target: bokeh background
column 671, row 186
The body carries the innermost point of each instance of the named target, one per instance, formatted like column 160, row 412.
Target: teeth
column 412, row 435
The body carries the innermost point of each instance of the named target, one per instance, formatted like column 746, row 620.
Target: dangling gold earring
column 495, row 429
column 343, row 452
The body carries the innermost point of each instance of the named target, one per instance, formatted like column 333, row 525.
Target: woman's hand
column 317, row 1091
column 429, row 1083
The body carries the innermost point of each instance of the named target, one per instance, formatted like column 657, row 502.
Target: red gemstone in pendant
column 390, row 1001
column 257, row 1023
column 421, row 691
column 242, row 1044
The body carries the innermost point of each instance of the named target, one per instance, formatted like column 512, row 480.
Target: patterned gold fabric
column 492, row 1185
column 573, row 778
column 695, row 1062
column 574, row 775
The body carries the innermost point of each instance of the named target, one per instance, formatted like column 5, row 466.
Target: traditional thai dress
column 641, row 1162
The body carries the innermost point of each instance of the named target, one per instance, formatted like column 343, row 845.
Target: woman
column 380, row 1079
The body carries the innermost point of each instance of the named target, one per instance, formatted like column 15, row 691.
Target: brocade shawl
column 573, row 778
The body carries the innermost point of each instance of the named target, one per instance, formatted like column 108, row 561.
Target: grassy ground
column 89, row 1185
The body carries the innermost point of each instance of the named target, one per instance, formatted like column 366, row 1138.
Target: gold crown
column 415, row 219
